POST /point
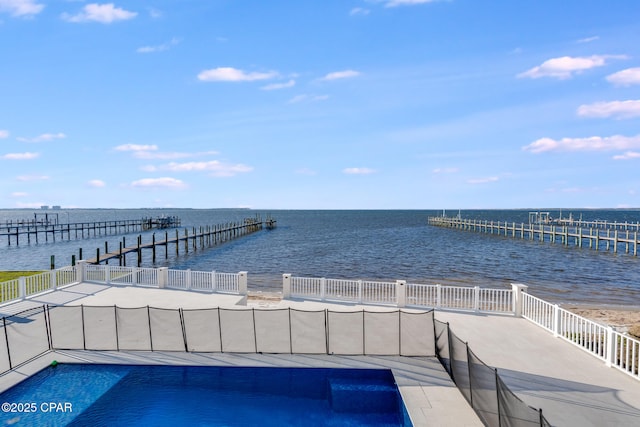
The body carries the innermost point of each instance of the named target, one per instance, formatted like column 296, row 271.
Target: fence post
column 611, row 348
column 22, row 288
column 323, row 288
column 438, row 295
column 401, row 293
column 286, row 285
column 451, row 355
column 518, row 300
column 476, row 298
column 53, row 282
column 163, row 277
column 556, row 320
column 242, row 283
column 107, row 274
column 470, row 374
column 498, row 389
column 360, row 291
column 188, row 284
column 214, row 281
column 80, row 271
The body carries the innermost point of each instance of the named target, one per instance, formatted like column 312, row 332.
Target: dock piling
column 211, row 234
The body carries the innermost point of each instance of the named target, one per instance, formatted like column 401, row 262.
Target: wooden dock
column 610, row 236
column 52, row 229
column 201, row 237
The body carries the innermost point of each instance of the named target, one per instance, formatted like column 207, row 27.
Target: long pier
column 596, row 235
column 201, row 237
column 32, row 229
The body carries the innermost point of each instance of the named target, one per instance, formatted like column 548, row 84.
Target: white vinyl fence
column 206, row 281
column 616, row 349
column 344, row 290
column 23, row 287
column 400, row 294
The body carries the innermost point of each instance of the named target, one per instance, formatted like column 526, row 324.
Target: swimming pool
column 76, row 395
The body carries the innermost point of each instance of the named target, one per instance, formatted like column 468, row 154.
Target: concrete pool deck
column 572, row 387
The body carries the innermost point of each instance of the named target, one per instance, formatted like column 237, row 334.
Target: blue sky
column 332, row 104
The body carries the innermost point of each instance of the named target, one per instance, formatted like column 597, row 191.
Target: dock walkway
column 51, row 228
column 204, row 236
column 596, row 235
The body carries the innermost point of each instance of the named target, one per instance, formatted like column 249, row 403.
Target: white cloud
column 341, row 75
column 19, row 194
column 307, row 98
column 155, row 13
column 396, row 3
column 445, row 170
column 628, row 77
column 483, row 180
column 588, row 39
column 358, row 171
column 229, row 74
column 20, row 156
column 171, row 155
column 20, row 7
column 45, row 137
column 103, row 13
column 617, row 109
column 159, row 183
column 96, row 183
column 33, row 205
column 594, row 143
column 214, row 167
column 306, row 171
column 359, row 11
column 158, row 48
column 4, row 134
column 565, row 67
column 276, row 86
column 628, row 155
column 136, row 147
column 27, row 178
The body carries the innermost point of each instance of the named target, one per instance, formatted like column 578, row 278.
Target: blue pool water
column 118, row 395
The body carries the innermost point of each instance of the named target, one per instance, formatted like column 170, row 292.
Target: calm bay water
column 380, row 245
